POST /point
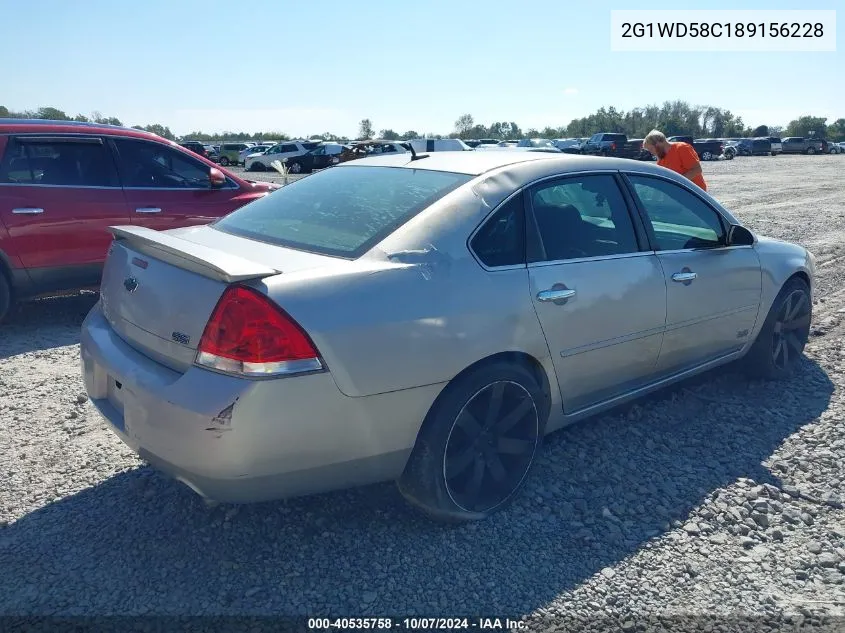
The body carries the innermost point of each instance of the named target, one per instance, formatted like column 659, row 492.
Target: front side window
column 680, row 219
column 154, row 165
column 584, row 216
column 341, row 212
column 58, row 162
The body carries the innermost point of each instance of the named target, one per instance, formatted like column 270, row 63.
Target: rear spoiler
column 206, row 261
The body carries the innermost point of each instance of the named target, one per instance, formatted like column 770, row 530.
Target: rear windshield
column 343, row 211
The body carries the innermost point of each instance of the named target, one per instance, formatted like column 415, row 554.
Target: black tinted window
column 154, row 165
column 679, row 218
column 583, row 217
column 72, row 164
column 343, row 211
column 288, row 148
column 501, row 241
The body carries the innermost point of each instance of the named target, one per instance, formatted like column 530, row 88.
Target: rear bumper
column 236, row 440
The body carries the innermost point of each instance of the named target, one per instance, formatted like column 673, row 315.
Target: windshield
column 342, row 212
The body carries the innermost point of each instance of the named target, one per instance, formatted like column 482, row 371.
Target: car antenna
column 414, row 155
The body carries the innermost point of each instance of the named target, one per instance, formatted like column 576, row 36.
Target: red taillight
column 613, row 146
column 248, row 334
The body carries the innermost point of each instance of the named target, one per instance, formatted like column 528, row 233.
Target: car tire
column 706, row 156
column 489, row 450
column 5, row 296
column 224, row 161
column 257, row 166
column 784, row 334
column 811, row 151
column 295, row 168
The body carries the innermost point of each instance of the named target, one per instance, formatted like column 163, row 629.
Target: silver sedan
column 427, row 319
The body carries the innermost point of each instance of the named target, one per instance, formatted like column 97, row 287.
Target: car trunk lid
column 159, row 288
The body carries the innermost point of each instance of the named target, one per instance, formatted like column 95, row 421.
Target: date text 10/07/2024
column 415, row 624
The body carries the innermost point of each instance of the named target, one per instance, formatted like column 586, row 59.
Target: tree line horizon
column 671, row 118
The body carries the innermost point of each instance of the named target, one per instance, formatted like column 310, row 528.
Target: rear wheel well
column 515, row 358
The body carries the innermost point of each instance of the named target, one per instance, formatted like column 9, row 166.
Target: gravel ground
column 718, row 497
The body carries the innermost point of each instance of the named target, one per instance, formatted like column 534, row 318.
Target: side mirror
column 739, row 236
column 216, row 177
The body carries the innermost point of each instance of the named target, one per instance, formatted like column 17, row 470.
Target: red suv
column 62, row 184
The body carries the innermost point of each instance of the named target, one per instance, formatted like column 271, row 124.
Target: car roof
column 12, row 126
column 475, row 163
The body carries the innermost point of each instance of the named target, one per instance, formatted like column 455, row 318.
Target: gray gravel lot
column 719, row 496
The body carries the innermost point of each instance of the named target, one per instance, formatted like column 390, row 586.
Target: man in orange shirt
column 679, row 157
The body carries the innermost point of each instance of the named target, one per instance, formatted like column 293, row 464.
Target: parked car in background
column 707, row 149
column 286, row 373
column 799, row 145
column 568, row 145
column 513, row 148
column 488, row 141
column 212, row 153
column 197, row 148
column 288, row 149
column 777, row 146
column 255, row 149
column 644, row 154
column 317, row 158
column 535, row 142
column 611, row 144
column 230, row 153
column 507, row 143
column 472, row 142
column 424, row 145
column 62, row 184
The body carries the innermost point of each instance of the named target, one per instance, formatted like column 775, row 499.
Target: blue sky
column 311, row 67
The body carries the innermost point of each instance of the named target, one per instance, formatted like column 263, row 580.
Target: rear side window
column 585, row 216
column 501, row 241
column 342, row 212
column 78, row 163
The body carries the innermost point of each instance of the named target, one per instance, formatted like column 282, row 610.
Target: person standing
column 679, row 157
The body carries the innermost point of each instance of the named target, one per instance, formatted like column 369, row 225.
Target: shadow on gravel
column 139, row 542
column 44, row 324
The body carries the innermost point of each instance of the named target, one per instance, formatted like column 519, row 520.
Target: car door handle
column 555, row 295
column 27, row 211
column 147, row 210
column 682, row 277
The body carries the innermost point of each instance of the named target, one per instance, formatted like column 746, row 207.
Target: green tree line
column 673, row 117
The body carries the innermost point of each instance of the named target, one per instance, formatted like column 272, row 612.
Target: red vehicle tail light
column 613, row 146
column 249, row 335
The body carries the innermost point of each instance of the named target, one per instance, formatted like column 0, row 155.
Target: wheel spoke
column 797, row 307
column 787, row 309
column 495, row 466
column 495, row 405
column 460, row 463
column 785, row 350
column 512, row 446
column 778, row 346
column 469, row 425
column 793, row 341
column 797, row 323
column 514, row 416
column 474, row 484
